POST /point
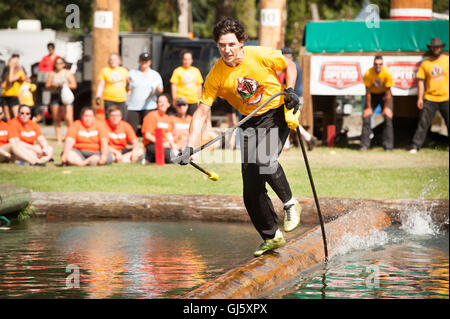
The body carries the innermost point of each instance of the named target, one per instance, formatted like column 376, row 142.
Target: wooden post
column 183, row 18
column 105, row 41
column 272, row 23
column 307, row 117
column 411, row 9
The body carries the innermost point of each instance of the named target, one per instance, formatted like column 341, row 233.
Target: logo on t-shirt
column 28, row 134
column 250, row 90
column 436, row 72
column 87, row 134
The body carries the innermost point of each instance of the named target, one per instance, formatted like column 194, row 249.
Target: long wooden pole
column 105, row 41
column 272, row 23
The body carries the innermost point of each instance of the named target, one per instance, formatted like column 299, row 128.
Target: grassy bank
column 337, row 173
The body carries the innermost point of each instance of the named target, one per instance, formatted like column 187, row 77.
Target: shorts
column 55, row 99
column 86, row 154
column 10, row 101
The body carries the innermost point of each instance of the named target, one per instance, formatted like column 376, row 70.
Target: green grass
column 337, row 172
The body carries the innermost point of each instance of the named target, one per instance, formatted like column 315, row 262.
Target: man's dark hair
column 51, row 44
column 185, row 51
column 229, row 25
column 378, row 57
column 86, row 109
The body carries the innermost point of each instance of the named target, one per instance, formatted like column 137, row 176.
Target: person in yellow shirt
column 112, row 85
column 378, row 82
column 247, row 77
column 12, row 78
column 186, row 81
column 432, row 91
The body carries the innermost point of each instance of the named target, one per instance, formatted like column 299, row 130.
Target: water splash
column 349, row 242
column 417, row 220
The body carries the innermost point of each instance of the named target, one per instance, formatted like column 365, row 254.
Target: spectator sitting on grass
column 159, row 119
column 121, row 132
column 86, row 142
column 181, row 123
column 5, row 146
column 23, row 133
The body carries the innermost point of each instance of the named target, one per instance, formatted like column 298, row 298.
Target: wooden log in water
column 225, row 208
column 13, row 198
column 263, row 274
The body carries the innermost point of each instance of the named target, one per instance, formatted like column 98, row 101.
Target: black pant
column 262, row 139
column 426, row 115
column 192, row 108
column 135, row 118
column 388, row 126
column 150, row 153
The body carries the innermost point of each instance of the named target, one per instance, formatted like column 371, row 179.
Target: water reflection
column 407, row 267
column 118, row 259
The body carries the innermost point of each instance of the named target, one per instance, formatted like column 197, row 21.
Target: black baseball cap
column 145, row 56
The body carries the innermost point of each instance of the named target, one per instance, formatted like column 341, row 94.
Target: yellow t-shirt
column 13, row 88
column 378, row 83
column 115, row 83
column 435, row 74
column 187, row 80
column 249, row 84
column 26, row 93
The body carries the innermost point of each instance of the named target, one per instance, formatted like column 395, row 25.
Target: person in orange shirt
column 23, row 133
column 120, row 134
column 5, row 147
column 159, row 119
column 181, row 123
column 86, row 142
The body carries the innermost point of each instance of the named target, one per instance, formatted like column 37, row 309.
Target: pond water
column 405, row 262
column 147, row 259
column 118, row 259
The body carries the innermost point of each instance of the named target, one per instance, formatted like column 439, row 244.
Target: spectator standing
column 26, row 94
column 55, row 82
column 112, row 85
column 186, row 81
column 47, row 63
column 86, row 142
column 158, row 119
column 121, row 133
column 378, row 82
column 432, row 91
column 23, row 133
column 12, row 78
column 144, row 85
column 5, row 146
column 181, row 123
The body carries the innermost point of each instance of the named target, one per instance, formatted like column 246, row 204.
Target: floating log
column 263, row 274
column 13, row 198
column 226, row 208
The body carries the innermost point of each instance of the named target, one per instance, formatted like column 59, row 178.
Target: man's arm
column 368, row 108
column 420, row 91
column 291, row 73
column 174, row 93
column 387, row 101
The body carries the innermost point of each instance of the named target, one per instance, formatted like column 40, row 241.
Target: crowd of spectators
column 135, row 106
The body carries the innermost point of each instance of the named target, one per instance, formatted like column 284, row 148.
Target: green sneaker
column 292, row 217
column 270, row 244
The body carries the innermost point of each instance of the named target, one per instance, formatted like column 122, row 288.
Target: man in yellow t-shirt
column 112, row 85
column 246, row 77
column 186, row 81
column 378, row 82
column 432, row 91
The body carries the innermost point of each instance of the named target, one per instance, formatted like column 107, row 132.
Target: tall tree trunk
column 224, row 9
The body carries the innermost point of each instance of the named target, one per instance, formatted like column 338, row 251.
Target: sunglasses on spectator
column 23, row 113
